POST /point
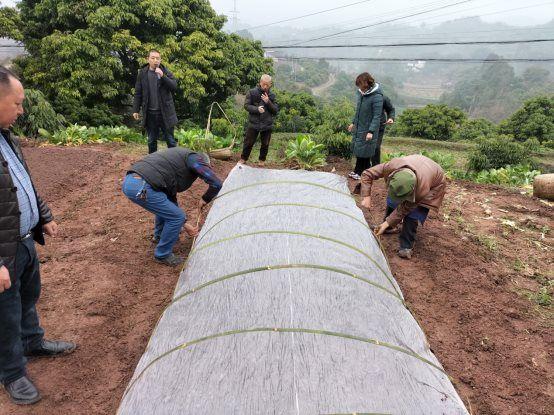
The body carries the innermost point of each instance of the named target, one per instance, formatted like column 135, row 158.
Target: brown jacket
column 430, row 183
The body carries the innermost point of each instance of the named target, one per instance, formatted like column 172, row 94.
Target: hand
column 159, row 72
column 381, row 228
column 191, row 230
column 5, row 282
column 50, row 229
column 201, row 204
column 390, row 121
column 369, row 136
column 366, row 202
column 265, row 97
column 136, row 116
column 261, row 109
column 350, row 128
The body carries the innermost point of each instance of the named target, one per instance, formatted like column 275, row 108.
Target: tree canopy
column 84, row 55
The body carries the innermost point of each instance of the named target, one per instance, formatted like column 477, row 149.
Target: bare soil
column 473, row 285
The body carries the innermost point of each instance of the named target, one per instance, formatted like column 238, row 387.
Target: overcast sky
column 257, row 12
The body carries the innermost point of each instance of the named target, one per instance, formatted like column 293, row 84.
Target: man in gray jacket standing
column 24, row 217
column 153, row 94
column 262, row 106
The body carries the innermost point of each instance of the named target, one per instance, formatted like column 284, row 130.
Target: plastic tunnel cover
column 286, row 305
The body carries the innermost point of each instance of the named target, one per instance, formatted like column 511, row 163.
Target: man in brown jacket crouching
column 415, row 184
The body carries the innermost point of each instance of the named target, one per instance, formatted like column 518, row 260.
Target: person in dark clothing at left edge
column 153, row 97
column 153, row 184
column 24, row 217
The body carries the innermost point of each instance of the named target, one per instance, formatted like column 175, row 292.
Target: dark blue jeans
column 407, row 236
column 155, row 123
column 20, row 330
column 169, row 217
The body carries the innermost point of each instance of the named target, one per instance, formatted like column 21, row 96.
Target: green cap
column 402, row 185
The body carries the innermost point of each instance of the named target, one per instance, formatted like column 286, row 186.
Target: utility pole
column 235, row 16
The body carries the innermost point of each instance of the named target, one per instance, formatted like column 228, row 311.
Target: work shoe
column 50, row 348
column 171, row 260
column 405, row 253
column 354, row 175
column 22, row 391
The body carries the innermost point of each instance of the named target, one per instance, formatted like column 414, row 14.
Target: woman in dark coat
column 366, row 122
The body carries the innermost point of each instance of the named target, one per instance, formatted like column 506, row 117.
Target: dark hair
column 5, row 75
column 365, row 80
column 154, row 50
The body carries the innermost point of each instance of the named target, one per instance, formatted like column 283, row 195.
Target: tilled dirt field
column 474, row 286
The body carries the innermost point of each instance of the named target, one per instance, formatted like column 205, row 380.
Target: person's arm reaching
column 205, row 172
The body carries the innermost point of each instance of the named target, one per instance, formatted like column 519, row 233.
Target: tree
column 10, row 23
column 84, row 54
column 434, row 122
column 534, row 120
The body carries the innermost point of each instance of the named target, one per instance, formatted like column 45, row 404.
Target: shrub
column 336, row 144
column 534, row 119
column 38, row 114
column 474, row 129
column 532, row 145
column 305, row 152
column 497, row 152
column 221, row 127
column 434, row 122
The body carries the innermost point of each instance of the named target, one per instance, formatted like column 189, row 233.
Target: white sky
column 256, row 12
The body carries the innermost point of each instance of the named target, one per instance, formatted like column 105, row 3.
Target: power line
column 308, row 15
column 426, row 19
column 477, row 42
column 382, row 22
column 464, row 60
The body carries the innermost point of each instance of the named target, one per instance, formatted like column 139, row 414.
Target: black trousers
column 362, row 164
column 376, row 159
column 155, row 123
column 20, row 330
column 250, row 139
column 407, row 235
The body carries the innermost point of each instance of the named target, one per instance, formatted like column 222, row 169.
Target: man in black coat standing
column 24, row 219
column 262, row 107
column 153, row 96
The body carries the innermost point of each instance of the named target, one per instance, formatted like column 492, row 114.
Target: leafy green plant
column 305, row 152
column 445, row 160
column 196, row 139
column 497, row 152
column 76, row 135
column 38, row 114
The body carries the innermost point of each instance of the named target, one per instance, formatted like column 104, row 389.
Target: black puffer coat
column 253, row 100
column 9, row 209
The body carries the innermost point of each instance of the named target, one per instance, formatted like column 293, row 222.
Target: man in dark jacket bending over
column 153, row 183
column 262, row 106
column 23, row 218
